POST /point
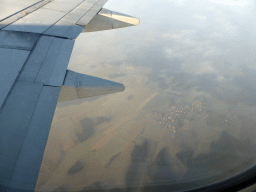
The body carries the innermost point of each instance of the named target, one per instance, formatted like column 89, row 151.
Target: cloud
column 231, row 2
column 201, row 17
column 199, row 68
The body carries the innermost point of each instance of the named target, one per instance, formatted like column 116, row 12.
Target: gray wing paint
column 36, row 42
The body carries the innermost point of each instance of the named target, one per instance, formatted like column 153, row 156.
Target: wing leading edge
column 36, row 42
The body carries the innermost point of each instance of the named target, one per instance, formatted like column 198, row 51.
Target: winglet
column 107, row 19
column 79, row 86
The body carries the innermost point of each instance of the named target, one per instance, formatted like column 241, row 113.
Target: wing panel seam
column 24, row 134
column 99, row 1
column 86, row 12
column 18, row 15
column 63, row 16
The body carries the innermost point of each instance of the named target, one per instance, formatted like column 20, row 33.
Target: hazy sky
column 183, row 51
column 208, row 44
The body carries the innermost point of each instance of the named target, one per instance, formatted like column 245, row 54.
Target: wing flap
column 11, row 63
column 55, row 64
column 15, row 116
column 48, row 61
column 28, row 107
column 26, row 169
column 18, row 40
column 36, row 59
column 80, row 86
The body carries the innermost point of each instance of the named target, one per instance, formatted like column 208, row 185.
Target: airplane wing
column 36, row 42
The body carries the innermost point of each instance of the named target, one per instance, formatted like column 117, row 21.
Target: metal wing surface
column 36, row 42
